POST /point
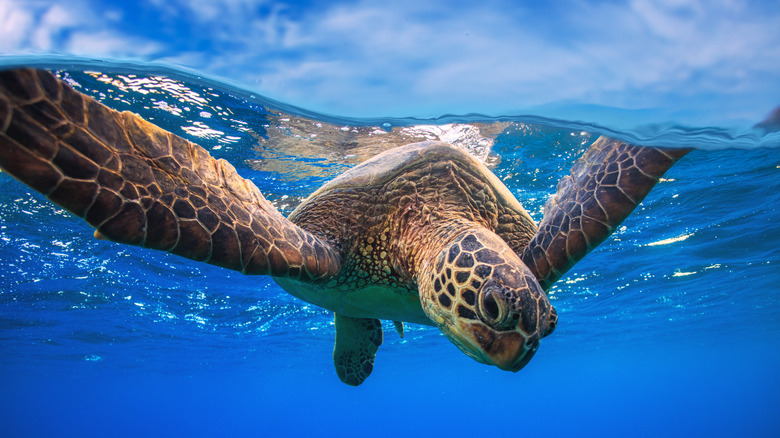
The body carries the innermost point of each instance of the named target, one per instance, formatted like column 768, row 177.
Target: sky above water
column 697, row 62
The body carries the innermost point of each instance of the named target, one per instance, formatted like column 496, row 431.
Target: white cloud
column 15, row 23
column 45, row 26
column 52, row 23
column 210, row 11
column 103, row 43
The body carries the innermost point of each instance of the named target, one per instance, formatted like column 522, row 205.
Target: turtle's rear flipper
column 357, row 340
column 141, row 185
column 604, row 187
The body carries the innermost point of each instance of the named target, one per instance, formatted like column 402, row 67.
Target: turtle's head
column 486, row 301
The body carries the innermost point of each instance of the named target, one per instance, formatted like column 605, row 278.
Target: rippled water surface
column 671, row 327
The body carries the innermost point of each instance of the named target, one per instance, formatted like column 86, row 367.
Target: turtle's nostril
column 552, row 322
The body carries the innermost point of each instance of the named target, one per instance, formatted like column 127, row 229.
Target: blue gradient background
column 655, row 339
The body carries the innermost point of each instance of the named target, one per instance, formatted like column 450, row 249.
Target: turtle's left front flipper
column 604, row 187
column 141, row 185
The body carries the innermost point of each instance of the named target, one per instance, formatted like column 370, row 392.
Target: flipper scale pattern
column 604, row 187
column 141, row 185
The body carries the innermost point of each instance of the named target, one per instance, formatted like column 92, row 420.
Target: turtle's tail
column 141, row 185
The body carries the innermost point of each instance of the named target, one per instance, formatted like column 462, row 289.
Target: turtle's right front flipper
column 141, row 185
column 604, row 187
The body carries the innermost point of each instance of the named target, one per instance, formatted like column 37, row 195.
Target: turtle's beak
column 510, row 350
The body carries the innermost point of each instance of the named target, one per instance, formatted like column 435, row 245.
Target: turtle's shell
column 412, row 162
column 384, row 167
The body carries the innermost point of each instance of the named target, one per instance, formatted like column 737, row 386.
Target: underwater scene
column 671, row 327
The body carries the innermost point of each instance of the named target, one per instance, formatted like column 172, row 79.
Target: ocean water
column 669, row 328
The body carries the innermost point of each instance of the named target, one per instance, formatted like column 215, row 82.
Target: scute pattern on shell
column 391, row 212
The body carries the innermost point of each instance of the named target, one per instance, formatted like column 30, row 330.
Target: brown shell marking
column 398, row 207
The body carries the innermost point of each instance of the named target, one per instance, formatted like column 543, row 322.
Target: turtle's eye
column 494, row 310
column 490, row 306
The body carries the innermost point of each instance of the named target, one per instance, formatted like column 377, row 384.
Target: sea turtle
column 423, row 233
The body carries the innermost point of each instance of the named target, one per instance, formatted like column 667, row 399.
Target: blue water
column 670, row 328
